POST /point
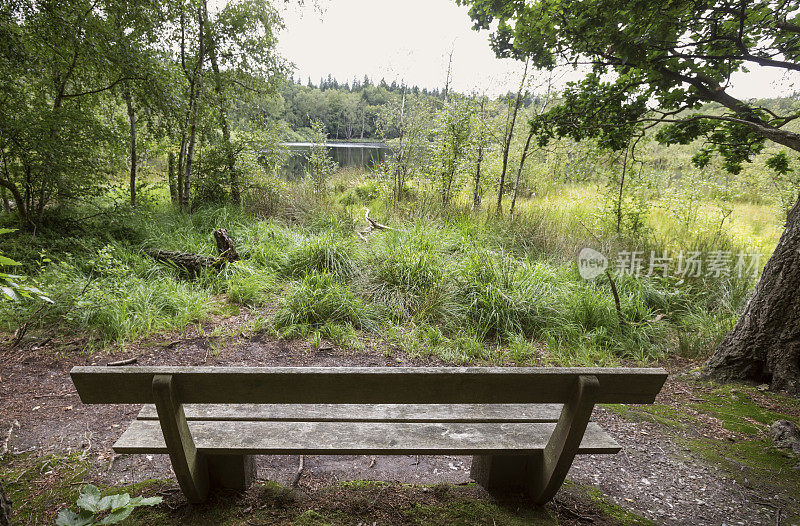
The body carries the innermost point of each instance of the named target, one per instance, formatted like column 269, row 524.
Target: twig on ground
column 111, row 462
column 563, row 507
column 299, row 472
column 121, row 362
column 88, row 437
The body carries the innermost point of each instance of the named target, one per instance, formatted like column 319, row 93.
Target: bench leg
column 541, row 475
column 565, row 440
column 189, row 466
column 231, row 471
column 504, row 474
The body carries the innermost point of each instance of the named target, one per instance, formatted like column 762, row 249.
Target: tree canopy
column 654, row 63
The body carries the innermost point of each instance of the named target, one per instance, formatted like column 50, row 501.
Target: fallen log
column 195, row 263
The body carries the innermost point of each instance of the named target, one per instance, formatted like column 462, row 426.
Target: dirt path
column 656, row 475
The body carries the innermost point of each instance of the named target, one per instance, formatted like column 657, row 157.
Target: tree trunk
column 476, row 193
column 764, row 345
column 194, row 95
column 126, row 94
column 507, row 141
column 621, row 188
column 173, row 189
column 519, row 173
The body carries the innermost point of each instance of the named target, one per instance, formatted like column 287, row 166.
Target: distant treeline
column 350, row 110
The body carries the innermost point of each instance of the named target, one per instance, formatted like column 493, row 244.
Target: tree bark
column 764, row 345
column 225, row 245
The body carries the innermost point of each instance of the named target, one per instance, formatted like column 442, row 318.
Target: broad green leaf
column 114, row 502
column 8, row 261
column 117, row 516
column 145, row 501
column 70, row 518
column 89, row 498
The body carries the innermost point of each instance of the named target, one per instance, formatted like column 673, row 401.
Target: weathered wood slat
column 367, row 413
column 366, row 385
column 356, row 438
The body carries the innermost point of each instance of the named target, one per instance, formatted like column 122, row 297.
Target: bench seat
column 367, row 413
column 358, row 438
column 522, row 426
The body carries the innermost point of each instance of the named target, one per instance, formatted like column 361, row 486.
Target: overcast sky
column 411, row 39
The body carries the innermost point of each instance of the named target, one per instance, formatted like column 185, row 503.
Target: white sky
column 411, row 39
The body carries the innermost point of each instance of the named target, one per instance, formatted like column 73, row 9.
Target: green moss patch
column 739, row 410
column 602, row 505
column 756, row 463
column 665, row 415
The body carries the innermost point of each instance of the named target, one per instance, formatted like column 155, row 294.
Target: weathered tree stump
column 225, row 245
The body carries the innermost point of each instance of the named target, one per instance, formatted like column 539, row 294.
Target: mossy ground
column 727, row 426
column 40, row 487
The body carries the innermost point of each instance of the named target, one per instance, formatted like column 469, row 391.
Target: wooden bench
column 523, row 426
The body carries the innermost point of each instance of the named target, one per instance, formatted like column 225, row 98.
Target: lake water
column 345, row 154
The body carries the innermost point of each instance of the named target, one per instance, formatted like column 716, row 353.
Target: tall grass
column 458, row 284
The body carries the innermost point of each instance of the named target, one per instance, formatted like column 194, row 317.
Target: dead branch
column 616, row 298
column 371, row 226
column 129, row 361
column 299, row 472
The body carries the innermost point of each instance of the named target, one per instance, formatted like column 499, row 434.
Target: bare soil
column 655, row 475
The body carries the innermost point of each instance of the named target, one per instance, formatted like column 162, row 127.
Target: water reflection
column 345, row 154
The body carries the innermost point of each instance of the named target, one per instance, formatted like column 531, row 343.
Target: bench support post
column 189, row 466
column 565, row 440
column 231, row 471
column 541, row 474
column 505, row 473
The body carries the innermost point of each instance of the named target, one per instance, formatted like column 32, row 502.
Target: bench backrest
column 365, row 385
